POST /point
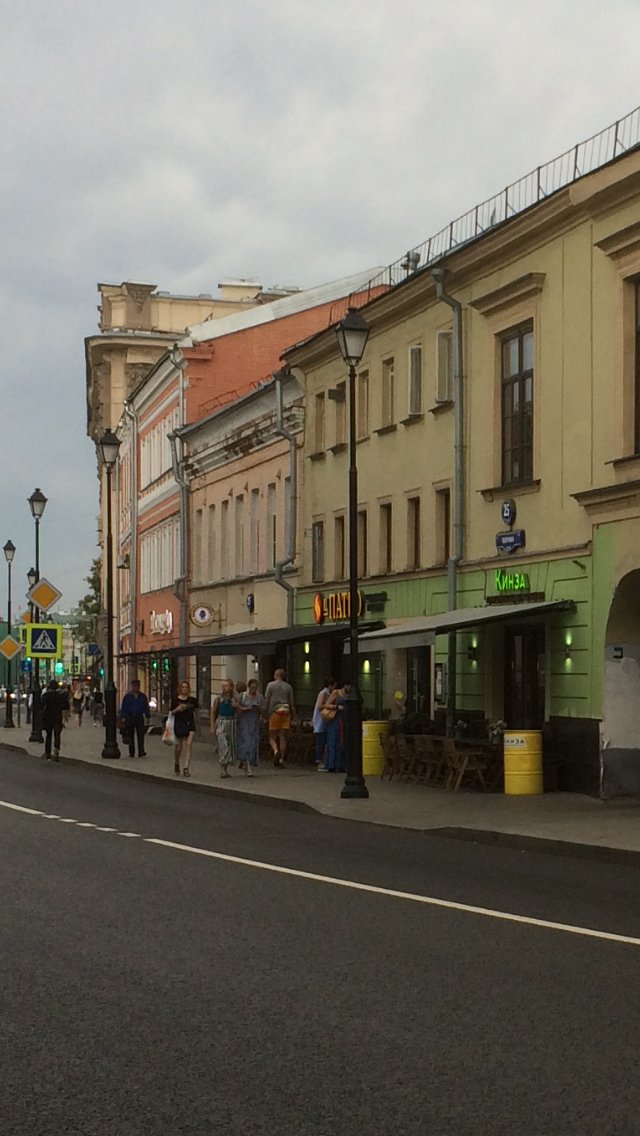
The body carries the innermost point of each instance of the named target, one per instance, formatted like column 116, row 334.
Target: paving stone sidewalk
column 565, row 818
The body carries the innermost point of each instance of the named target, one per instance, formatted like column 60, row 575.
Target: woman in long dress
column 223, row 725
column 250, row 707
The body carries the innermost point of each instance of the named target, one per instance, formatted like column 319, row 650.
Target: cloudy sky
column 181, row 141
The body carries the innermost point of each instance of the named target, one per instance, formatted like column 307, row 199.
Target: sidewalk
column 561, row 821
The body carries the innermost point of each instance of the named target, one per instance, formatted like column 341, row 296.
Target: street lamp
column 37, row 504
column 352, row 333
column 108, row 447
column 9, row 553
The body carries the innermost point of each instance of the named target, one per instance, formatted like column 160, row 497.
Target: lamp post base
column 354, row 784
column 110, row 750
column 9, row 724
column 354, row 787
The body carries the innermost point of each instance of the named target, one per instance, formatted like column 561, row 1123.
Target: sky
column 296, row 142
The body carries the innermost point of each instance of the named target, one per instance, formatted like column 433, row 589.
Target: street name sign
column 10, row 647
column 44, row 594
column 44, row 641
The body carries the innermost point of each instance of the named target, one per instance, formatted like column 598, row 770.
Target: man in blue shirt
column 135, row 714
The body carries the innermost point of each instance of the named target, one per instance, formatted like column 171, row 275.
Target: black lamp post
column 108, row 447
column 9, row 553
column 352, row 333
column 37, row 504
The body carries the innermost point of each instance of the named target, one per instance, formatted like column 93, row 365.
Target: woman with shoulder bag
column 223, row 725
column 184, row 727
column 322, row 715
column 334, row 712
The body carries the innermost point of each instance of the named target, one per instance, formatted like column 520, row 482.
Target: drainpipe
column 180, row 590
column 438, row 275
column 292, row 503
column 133, row 555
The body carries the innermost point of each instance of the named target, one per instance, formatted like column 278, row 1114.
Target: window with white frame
column 240, row 567
column 254, row 531
column 211, row 544
column 155, row 448
column 415, row 379
column 224, row 539
column 160, row 556
column 272, row 526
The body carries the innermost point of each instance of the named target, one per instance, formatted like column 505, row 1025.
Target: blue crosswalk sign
column 44, row 641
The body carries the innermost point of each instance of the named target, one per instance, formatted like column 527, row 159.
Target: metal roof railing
column 534, row 187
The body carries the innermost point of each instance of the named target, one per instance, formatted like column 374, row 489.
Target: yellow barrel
column 522, row 762
column 372, row 753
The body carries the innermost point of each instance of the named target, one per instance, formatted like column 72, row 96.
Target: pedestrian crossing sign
column 44, row 641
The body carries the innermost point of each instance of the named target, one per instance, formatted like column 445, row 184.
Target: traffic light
column 165, row 666
column 59, row 667
column 154, row 664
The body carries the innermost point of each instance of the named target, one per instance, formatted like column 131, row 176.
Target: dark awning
column 259, row 642
column 422, row 629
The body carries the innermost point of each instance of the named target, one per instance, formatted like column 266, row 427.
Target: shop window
column 443, row 525
column 339, row 547
column 317, row 552
column 386, row 538
column 362, row 405
column 363, row 537
column 388, row 392
column 414, row 532
column 415, row 379
column 516, row 352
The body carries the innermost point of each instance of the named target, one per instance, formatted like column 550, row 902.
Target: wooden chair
column 463, row 761
column 390, row 751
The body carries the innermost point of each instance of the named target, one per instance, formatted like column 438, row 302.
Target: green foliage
column 90, row 607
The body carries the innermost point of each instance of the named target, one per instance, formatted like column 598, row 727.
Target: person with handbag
column 281, row 713
column 322, row 715
column 336, row 730
column 184, row 728
column 135, row 715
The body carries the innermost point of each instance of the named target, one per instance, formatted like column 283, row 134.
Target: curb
column 520, row 842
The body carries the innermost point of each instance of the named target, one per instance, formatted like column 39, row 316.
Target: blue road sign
column 94, row 649
column 510, row 541
column 25, row 666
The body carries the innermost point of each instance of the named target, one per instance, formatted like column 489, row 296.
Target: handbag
column 328, row 713
column 168, row 734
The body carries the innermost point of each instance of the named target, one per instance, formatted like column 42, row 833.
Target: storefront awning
column 422, row 629
column 265, row 642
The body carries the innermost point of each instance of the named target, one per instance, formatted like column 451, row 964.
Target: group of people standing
column 330, row 727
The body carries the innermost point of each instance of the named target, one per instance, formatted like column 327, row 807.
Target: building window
column 388, row 392
column 318, row 438
column 211, row 543
column 197, row 546
column 160, row 556
column 386, row 539
column 224, row 539
column 444, row 366
column 414, row 533
column 341, row 414
column 415, row 379
column 272, row 527
column 317, row 552
column 517, row 404
column 254, row 535
column 636, row 446
column 363, row 560
column 239, row 541
column 443, row 525
column 339, row 548
column 362, row 405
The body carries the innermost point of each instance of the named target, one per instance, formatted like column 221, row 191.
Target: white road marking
column 352, row 885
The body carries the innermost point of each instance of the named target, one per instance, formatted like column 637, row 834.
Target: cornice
column 621, row 242
column 620, row 494
column 522, row 288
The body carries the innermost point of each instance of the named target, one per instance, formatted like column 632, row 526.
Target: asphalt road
column 148, row 989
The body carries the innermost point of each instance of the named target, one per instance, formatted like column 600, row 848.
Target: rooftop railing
column 534, row 187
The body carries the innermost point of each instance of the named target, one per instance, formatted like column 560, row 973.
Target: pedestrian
column 97, row 706
column 249, row 711
column 281, row 713
column 52, row 706
column 184, row 728
column 135, row 714
column 320, row 723
column 66, row 713
column 223, row 725
column 336, row 729
column 77, row 703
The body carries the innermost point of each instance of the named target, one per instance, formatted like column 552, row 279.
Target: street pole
column 352, row 333
column 109, row 445
column 9, row 552
column 36, row 699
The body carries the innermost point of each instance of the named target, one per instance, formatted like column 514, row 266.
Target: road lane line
column 352, row 885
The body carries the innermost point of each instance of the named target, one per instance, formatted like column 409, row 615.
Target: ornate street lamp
column 37, row 504
column 9, row 553
column 352, row 333
column 108, row 447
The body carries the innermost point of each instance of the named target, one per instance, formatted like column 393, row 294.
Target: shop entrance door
column 418, row 680
column 524, row 675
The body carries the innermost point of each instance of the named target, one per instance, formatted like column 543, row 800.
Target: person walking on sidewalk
column 223, row 725
column 249, row 709
column 184, row 727
column 320, row 723
column 135, row 715
column 54, row 703
column 77, row 703
column 281, row 713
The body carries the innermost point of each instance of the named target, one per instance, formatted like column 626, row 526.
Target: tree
column 90, row 607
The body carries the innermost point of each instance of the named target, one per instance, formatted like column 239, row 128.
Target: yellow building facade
column 546, row 617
